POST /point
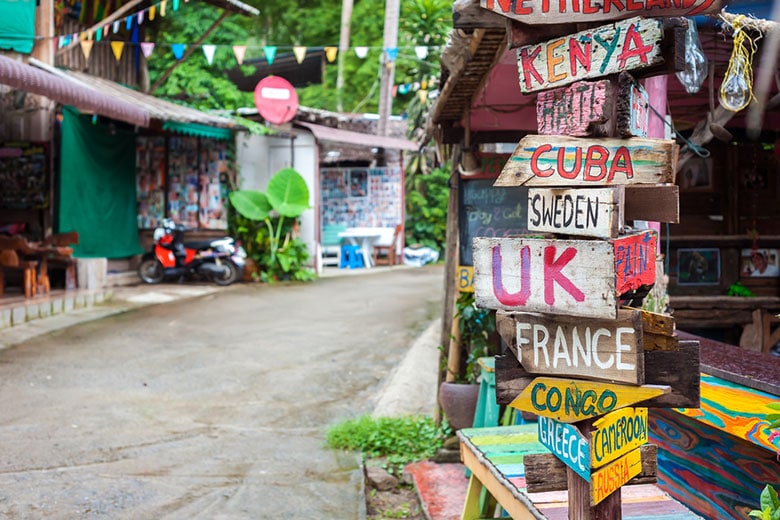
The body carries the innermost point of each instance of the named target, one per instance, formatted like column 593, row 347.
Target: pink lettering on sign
column 553, row 274
column 573, row 110
column 520, row 297
column 635, row 261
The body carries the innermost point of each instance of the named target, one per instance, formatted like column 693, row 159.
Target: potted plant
column 476, row 338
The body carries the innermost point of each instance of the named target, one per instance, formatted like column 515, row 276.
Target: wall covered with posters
column 181, row 178
column 361, row 197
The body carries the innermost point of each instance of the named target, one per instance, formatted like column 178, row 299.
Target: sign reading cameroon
column 575, row 11
column 571, row 400
column 609, row 49
column 616, row 434
column 578, row 277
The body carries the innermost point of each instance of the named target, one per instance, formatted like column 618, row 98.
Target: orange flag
column 86, row 48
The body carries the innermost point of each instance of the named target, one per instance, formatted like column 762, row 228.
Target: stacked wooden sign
column 585, row 360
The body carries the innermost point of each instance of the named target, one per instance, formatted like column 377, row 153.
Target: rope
column 741, row 61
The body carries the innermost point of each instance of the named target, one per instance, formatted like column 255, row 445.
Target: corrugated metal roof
column 326, row 133
column 63, row 90
column 156, row 108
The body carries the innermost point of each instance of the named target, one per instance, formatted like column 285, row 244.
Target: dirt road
column 211, row 408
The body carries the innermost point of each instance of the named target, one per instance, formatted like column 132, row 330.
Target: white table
column 365, row 238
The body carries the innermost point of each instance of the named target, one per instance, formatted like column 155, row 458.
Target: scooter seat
column 198, row 244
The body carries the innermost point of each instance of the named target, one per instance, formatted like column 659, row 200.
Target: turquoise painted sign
column 567, row 443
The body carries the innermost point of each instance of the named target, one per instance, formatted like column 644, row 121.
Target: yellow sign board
column 616, row 434
column 608, row 479
column 465, row 278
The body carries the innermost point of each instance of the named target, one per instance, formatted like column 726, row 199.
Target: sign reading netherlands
column 575, row 11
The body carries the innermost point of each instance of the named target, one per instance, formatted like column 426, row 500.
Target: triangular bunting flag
column 106, row 30
column 300, row 53
column 331, row 53
column 99, row 34
column 163, row 5
column 152, row 12
column 208, row 51
column 239, row 51
column 361, row 52
column 116, row 26
column 147, row 48
column 57, row 41
column 128, row 22
column 89, row 35
column 178, row 50
column 117, row 47
column 421, row 52
column 392, row 53
column 140, row 17
column 270, row 53
column 86, row 48
column 423, row 95
column 175, row 5
column 395, row 90
column 403, row 89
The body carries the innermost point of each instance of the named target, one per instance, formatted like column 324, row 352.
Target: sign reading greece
column 589, row 212
column 567, row 443
column 572, row 400
column 571, row 161
column 608, row 350
column 578, row 277
column 616, row 434
column 607, row 480
column 574, row 11
column 627, row 45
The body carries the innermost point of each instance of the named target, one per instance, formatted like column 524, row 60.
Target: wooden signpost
column 633, row 108
column 610, row 478
column 592, row 212
column 574, row 11
column 567, row 443
column 617, row 433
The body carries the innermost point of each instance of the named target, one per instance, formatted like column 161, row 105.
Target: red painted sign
column 276, row 100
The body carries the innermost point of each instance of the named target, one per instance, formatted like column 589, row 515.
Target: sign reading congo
column 578, row 277
column 568, row 161
column 573, row 11
column 572, row 400
column 609, row 49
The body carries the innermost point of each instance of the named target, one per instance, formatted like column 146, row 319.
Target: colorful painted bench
column 495, row 458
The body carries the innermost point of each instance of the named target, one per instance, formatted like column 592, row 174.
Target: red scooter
column 220, row 260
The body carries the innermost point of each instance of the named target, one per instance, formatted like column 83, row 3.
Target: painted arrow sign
column 578, row 277
column 573, row 11
column 569, row 161
column 627, row 45
column 586, row 212
column 567, row 443
column 609, row 479
column 616, row 434
column 572, row 400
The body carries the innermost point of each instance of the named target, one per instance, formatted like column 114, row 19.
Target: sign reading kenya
column 578, row 277
column 589, row 212
column 609, row 350
column 609, row 49
column 574, row 11
column 570, row 161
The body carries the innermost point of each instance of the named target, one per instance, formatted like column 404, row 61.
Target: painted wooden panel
column 572, row 400
column 465, row 278
column 609, row 479
column 567, row 443
column 616, row 434
column 633, row 108
column 626, row 45
column 607, row 350
column 589, row 212
column 575, row 109
column 577, row 277
column 547, row 12
column 570, row 161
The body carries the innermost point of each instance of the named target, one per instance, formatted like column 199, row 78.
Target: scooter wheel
column 230, row 274
column 151, row 271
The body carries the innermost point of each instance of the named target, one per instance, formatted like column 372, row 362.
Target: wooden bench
column 11, row 259
column 496, row 458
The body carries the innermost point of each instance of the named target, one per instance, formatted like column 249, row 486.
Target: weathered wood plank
column 617, row 433
column 572, row 400
column 655, row 323
column 589, row 212
column 633, row 108
column 546, row 12
column 611, row 477
column 511, row 379
column 575, row 109
column 626, row 45
column 653, row 203
column 570, row 161
column 680, row 370
column 606, row 350
column 545, row 472
column 567, row 443
column 578, row 277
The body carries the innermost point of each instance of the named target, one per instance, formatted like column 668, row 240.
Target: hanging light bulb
column 736, row 90
column 692, row 76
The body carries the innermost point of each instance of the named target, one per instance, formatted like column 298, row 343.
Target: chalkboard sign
column 486, row 211
column 24, row 175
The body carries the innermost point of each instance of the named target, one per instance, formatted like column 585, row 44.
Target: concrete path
column 213, row 405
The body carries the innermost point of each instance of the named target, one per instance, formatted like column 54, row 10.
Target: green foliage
column 477, row 327
column 737, row 289
column 770, row 505
column 274, row 249
column 426, row 209
column 400, row 440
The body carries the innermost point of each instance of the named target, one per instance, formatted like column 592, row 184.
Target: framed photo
column 758, row 263
column 698, row 266
column 697, row 175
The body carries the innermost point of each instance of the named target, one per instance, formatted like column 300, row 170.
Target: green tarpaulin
column 17, row 25
column 97, row 187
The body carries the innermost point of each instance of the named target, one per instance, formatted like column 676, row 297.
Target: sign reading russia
column 573, row 11
column 578, row 277
column 570, row 161
column 627, row 45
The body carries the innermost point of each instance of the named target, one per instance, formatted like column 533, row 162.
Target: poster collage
column 24, row 175
column 192, row 187
column 361, row 197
